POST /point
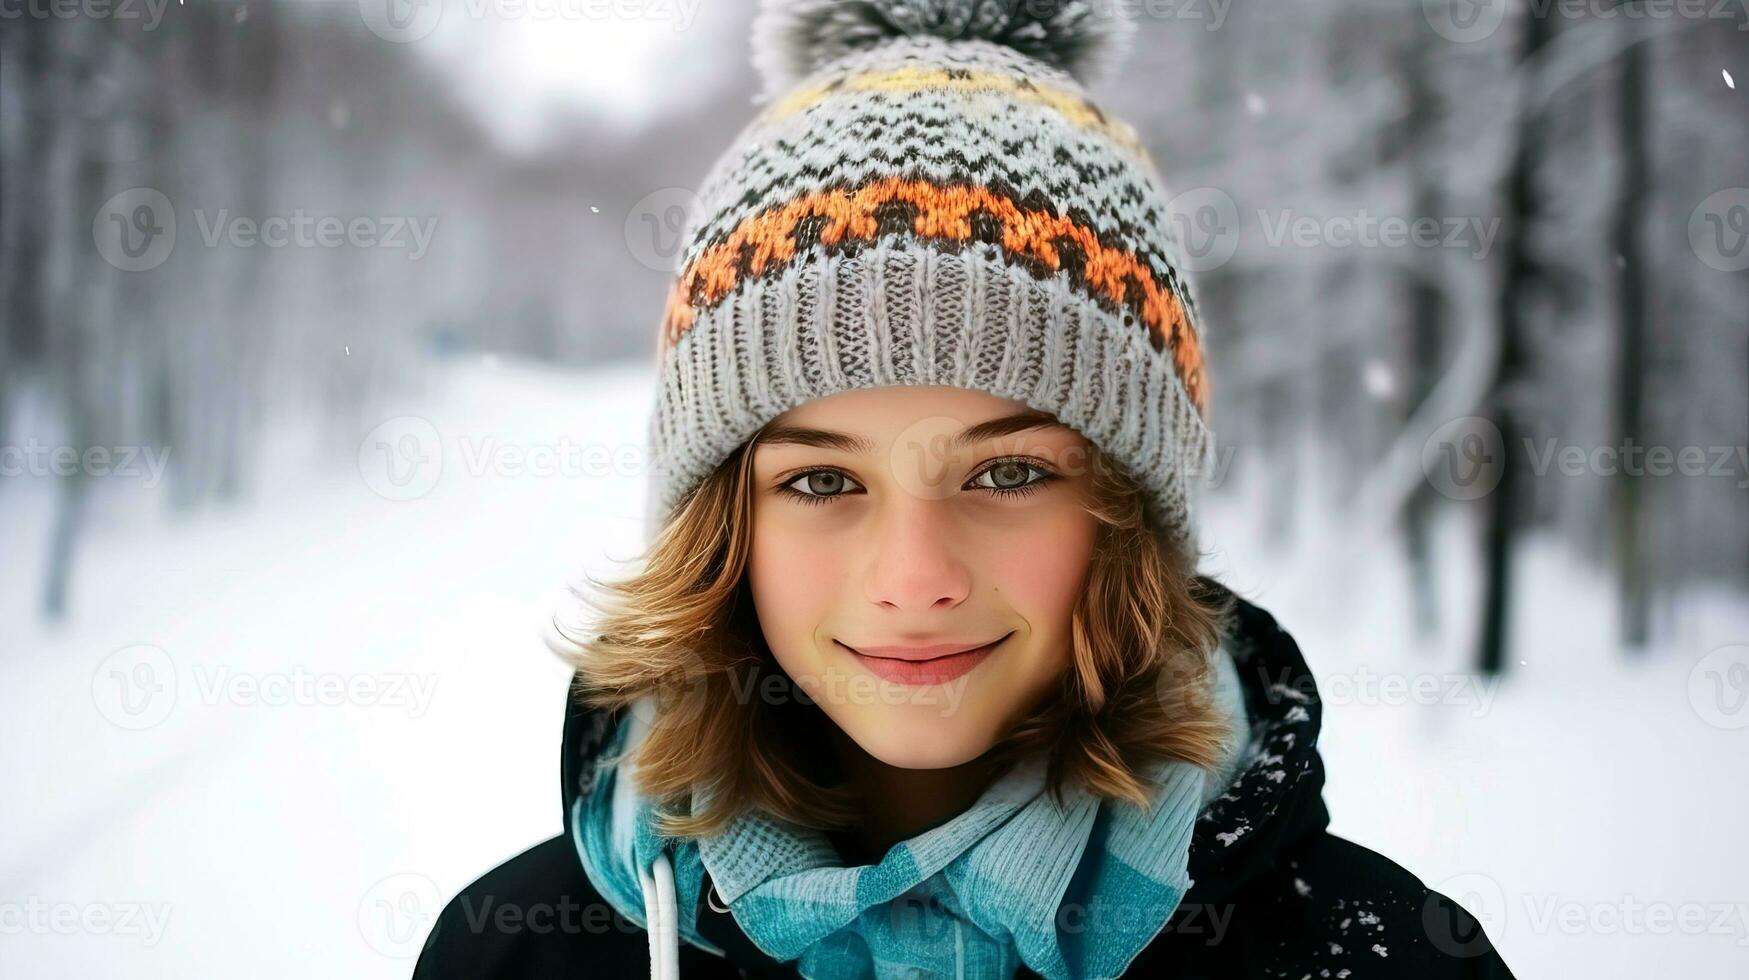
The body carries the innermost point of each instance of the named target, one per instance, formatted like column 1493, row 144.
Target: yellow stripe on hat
column 1074, row 107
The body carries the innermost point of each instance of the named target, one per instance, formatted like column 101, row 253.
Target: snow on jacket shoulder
column 1274, row 894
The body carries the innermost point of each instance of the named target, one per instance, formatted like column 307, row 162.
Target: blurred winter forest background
column 1474, row 276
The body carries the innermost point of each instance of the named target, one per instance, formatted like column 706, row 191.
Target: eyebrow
column 784, row 434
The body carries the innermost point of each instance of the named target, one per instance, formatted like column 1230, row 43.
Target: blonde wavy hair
column 683, row 628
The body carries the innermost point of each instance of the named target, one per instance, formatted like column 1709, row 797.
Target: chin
column 921, row 742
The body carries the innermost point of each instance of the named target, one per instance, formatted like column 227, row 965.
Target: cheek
column 793, row 577
column 1040, row 568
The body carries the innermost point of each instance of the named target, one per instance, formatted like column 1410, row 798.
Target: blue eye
column 1011, row 478
column 1008, row 478
column 822, row 486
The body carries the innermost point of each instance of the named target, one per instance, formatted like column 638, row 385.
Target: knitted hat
column 929, row 197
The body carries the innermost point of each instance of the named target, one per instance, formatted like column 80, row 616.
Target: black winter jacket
column 1274, row 894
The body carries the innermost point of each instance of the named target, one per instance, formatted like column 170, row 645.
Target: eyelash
column 815, row 499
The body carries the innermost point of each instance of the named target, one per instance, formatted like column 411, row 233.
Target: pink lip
column 923, row 665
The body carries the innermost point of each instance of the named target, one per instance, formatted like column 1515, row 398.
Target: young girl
column 918, row 678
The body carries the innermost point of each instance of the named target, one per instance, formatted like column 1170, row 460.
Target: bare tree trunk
column 1504, row 504
column 1629, row 508
column 1426, row 328
column 68, row 293
column 23, row 58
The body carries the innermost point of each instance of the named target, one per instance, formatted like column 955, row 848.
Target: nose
column 916, row 565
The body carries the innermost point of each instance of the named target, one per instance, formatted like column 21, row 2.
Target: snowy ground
column 271, row 741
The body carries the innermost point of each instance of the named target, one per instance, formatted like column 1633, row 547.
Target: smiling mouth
column 935, row 670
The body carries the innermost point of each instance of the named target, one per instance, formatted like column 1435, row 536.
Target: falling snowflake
column 1379, row 950
column 1379, row 379
column 1301, row 887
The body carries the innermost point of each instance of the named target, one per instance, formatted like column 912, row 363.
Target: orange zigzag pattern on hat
column 767, row 240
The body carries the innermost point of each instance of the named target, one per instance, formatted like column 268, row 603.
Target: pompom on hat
column 795, row 39
column 930, row 197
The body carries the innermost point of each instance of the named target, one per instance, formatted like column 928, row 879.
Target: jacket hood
column 1272, row 801
column 1276, row 799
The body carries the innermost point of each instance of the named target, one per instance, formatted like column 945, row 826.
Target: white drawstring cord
column 661, row 917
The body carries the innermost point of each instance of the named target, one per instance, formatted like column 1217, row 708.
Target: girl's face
column 894, row 528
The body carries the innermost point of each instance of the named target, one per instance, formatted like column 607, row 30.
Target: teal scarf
column 1072, row 891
